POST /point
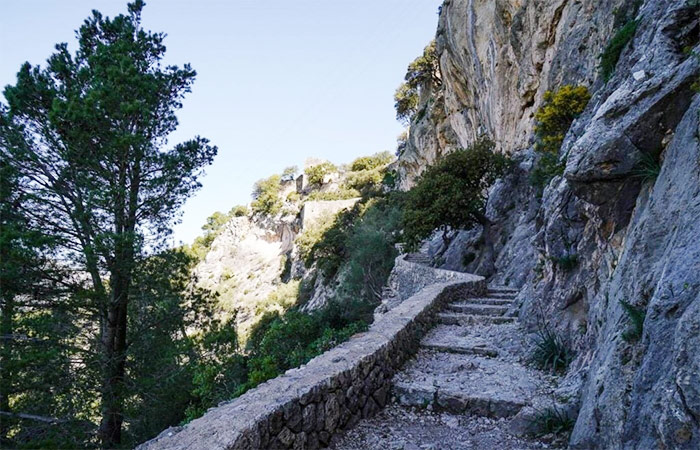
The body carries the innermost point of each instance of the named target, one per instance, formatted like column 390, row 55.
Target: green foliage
column 556, row 114
column 266, row 196
column 547, row 167
column 421, row 73
column 390, row 178
column 648, row 168
column 567, row 263
column 551, row 353
column 317, row 173
column 238, row 211
column 405, row 102
column 452, row 193
column 343, row 193
column 375, row 161
column 612, row 52
column 366, row 182
column 96, row 122
column 636, row 316
column 325, row 243
column 290, row 171
column 554, row 118
column 551, row 420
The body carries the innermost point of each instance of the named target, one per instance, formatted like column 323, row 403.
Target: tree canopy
column 87, row 134
column 452, row 193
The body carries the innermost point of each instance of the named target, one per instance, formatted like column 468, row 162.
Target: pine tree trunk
column 6, row 330
column 114, row 347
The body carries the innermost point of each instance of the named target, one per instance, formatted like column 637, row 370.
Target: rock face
column 632, row 239
column 246, row 261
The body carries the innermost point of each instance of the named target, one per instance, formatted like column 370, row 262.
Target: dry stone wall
column 307, row 406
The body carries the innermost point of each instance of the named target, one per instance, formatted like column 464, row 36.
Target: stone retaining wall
column 306, row 407
column 408, row 278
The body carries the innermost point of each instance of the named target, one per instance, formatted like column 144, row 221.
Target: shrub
column 551, row 353
column 290, row 171
column 266, row 196
column 365, row 181
column 343, row 193
column 547, row 167
column 556, row 114
column 612, row 52
column 316, row 173
column 648, row 167
column 554, row 119
column 567, row 263
column 239, row 211
column 636, row 316
column 370, row 249
column 452, row 193
column 371, row 162
column 551, row 421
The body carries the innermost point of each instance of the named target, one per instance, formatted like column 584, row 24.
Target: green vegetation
column 452, row 194
column 266, row 196
column 612, row 52
column 85, row 136
column 551, row 420
column 423, row 72
column 567, row 263
column 212, row 228
column 343, row 193
column 375, row 161
column 554, row 119
column 636, row 316
column 648, row 168
column 551, row 353
column 317, row 173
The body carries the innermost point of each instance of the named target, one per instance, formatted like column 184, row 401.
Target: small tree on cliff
column 452, row 194
column 87, row 132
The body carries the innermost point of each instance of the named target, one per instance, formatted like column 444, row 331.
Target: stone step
column 465, row 384
column 489, row 301
column 507, row 290
column 418, row 258
column 471, row 319
column 503, row 295
column 462, row 348
column 478, row 309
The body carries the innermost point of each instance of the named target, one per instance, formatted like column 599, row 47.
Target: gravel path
column 403, row 428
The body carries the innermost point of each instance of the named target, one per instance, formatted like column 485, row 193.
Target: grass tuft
column 551, row 353
column 611, row 54
column 636, row 316
column 551, row 421
column 648, row 168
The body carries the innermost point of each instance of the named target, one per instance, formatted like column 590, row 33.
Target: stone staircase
column 419, row 258
column 471, row 367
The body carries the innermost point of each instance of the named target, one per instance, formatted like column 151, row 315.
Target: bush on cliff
column 266, row 196
column 317, row 173
column 423, row 72
column 452, row 194
column 554, row 118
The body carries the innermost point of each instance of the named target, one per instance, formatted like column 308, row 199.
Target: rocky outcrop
column 603, row 233
column 306, row 407
column 244, row 264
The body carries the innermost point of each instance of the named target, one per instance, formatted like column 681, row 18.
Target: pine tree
column 87, row 133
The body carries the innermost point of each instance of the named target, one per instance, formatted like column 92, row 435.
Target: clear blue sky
column 278, row 80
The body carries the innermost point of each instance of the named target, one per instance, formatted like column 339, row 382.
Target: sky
column 278, row 81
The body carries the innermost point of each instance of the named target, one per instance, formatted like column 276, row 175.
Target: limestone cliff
column 633, row 239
